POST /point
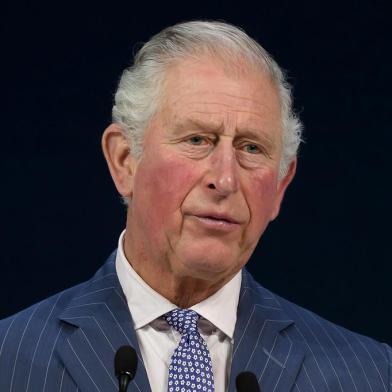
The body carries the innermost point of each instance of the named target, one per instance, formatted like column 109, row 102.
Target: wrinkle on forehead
column 224, row 99
column 207, row 107
column 261, row 111
column 209, row 99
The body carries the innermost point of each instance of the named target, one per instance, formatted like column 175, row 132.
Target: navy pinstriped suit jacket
column 67, row 343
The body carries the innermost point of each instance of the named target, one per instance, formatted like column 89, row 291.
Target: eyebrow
column 198, row 125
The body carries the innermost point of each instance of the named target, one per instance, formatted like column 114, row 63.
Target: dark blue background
column 60, row 214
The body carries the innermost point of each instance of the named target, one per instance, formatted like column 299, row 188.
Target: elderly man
column 202, row 148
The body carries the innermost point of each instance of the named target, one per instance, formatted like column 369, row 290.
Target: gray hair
column 141, row 85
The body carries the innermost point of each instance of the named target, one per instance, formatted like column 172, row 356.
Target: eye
column 197, row 140
column 252, row 149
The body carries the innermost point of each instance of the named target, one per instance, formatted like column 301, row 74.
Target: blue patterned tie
column 190, row 369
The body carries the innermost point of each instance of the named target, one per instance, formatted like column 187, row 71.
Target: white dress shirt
column 157, row 340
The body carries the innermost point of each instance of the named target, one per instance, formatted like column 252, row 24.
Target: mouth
column 216, row 222
column 217, row 219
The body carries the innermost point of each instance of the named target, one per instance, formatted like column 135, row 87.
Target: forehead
column 204, row 89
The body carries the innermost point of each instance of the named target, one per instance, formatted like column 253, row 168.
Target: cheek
column 160, row 188
column 262, row 196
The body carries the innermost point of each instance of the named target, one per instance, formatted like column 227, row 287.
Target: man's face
column 206, row 185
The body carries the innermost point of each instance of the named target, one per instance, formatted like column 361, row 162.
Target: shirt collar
column 146, row 305
column 221, row 308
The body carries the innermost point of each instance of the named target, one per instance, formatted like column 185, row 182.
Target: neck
column 181, row 289
column 187, row 292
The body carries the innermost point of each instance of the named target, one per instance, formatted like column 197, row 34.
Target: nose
column 223, row 173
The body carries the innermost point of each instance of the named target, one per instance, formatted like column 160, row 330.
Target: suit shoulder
column 341, row 359
column 307, row 319
column 334, row 347
column 323, row 337
column 41, row 313
column 27, row 338
column 36, row 316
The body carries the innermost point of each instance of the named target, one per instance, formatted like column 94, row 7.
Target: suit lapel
column 261, row 342
column 96, row 323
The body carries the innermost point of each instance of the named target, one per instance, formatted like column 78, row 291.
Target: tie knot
column 182, row 320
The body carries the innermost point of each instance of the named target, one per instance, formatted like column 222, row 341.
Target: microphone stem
column 123, row 381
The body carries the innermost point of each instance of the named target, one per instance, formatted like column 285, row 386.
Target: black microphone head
column 125, row 362
column 247, row 381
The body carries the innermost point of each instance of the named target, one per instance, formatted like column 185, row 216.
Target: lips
column 217, row 217
column 214, row 221
column 214, row 224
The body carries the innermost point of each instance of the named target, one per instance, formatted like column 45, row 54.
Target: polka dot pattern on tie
column 190, row 369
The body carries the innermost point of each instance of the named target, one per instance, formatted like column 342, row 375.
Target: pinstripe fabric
column 292, row 349
column 67, row 343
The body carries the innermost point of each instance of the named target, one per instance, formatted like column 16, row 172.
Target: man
column 202, row 148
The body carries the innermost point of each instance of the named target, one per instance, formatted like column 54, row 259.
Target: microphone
column 247, row 382
column 125, row 364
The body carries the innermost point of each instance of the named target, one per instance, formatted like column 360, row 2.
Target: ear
column 282, row 186
column 121, row 163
